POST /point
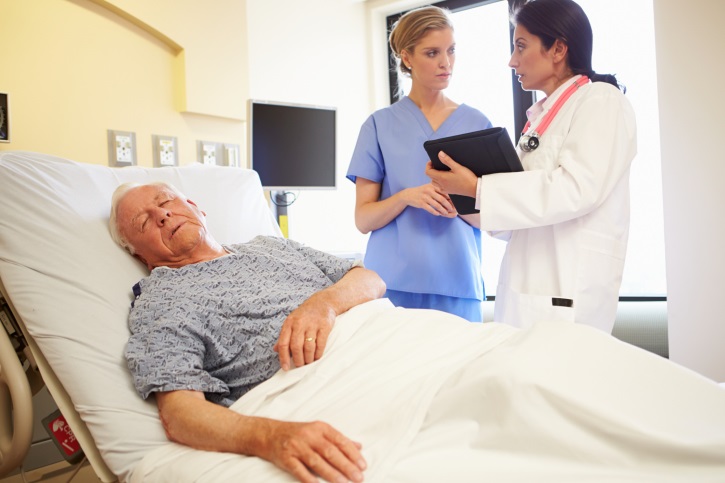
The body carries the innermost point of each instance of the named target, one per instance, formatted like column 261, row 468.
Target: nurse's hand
column 430, row 199
column 458, row 181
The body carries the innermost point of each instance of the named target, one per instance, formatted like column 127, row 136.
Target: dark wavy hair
column 564, row 20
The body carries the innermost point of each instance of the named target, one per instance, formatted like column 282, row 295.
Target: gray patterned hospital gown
column 211, row 326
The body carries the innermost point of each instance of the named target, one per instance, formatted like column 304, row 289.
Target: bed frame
column 13, row 376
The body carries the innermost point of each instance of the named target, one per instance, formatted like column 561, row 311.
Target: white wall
column 689, row 39
column 314, row 52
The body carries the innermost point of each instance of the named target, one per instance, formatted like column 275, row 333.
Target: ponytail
column 608, row 78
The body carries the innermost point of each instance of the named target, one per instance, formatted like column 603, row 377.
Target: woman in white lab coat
column 566, row 216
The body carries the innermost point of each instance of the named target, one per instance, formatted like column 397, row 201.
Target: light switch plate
column 231, row 155
column 121, row 148
column 209, row 152
column 166, row 151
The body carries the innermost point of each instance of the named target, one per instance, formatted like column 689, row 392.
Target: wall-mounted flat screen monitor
column 292, row 146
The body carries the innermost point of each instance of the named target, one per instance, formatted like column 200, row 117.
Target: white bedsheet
column 434, row 398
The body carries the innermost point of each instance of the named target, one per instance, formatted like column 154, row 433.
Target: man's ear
column 192, row 203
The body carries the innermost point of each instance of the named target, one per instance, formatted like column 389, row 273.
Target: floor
column 57, row 473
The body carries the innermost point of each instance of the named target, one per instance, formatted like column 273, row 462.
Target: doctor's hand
column 458, row 181
column 430, row 199
column 304, row 334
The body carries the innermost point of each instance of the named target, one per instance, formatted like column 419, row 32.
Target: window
column 483, row 80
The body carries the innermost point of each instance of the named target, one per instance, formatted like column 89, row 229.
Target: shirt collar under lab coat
column 534, row 112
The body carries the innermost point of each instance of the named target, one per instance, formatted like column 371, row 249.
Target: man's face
column 164, row 228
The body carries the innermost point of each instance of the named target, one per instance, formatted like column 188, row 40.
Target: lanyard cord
column 544, row 125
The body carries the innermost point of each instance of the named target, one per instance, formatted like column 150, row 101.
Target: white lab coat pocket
column 601, row 262
column 524, row 310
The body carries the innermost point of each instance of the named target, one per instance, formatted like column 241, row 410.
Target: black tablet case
column 483, row 152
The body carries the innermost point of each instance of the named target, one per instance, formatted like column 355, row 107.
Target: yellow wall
column 75, row 68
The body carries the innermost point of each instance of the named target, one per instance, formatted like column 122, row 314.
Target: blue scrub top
column 417, row 252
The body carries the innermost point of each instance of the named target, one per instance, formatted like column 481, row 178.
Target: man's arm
column 305, row 331
column 302, row 449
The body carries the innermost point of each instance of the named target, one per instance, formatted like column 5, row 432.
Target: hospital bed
column 408, row 384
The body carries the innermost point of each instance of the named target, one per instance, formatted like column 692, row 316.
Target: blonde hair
column 413, row 26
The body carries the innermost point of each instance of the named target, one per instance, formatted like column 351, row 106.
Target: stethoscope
column 530, row 142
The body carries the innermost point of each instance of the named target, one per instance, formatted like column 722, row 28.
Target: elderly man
column 211, row 321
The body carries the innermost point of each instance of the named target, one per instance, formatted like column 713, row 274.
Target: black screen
column 292, row 146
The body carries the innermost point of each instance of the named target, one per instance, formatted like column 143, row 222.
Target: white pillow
column 71, row 284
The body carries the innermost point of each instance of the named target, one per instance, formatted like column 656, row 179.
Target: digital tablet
column 483, row 152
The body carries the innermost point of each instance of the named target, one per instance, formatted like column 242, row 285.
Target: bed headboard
column 71, row 284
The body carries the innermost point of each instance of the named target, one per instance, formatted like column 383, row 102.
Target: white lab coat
column 566, row 216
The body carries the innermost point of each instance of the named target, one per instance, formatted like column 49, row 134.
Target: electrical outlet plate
column 166, row 151
column 121, row 148
column 231, row 155
column 209, row 152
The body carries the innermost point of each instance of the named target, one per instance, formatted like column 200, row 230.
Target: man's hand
column 309, row 449
column 458, row 181
column 305, row 331
column 302, row 449
column 304, row 334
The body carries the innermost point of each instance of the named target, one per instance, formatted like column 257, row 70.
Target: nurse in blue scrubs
column 427, row 255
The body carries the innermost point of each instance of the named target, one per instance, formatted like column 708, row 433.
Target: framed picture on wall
column 4, row 118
